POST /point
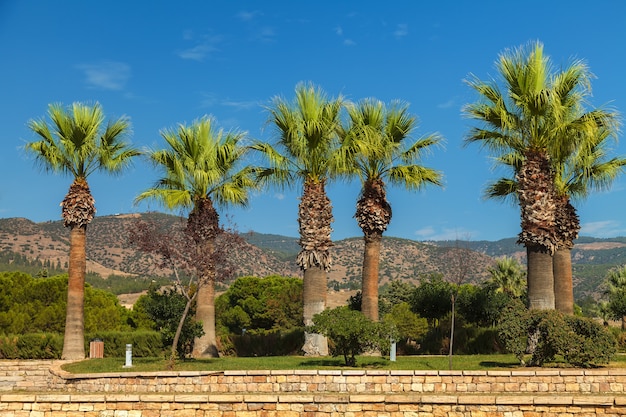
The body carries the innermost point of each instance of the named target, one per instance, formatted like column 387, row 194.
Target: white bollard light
column 129, row 356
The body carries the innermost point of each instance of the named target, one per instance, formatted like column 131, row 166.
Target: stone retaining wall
column 42, row 389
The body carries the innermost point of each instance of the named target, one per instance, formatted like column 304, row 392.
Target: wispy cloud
column 448, row 104
column 605, row 228
column 247, row 16
column 279, row 196
column 106, row 75
column 432, row 233
column 212, row 100
column 402, row 30
column 203, row 48
column 345, row 41
column 265, row 34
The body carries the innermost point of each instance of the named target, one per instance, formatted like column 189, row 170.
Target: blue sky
column 163, row 63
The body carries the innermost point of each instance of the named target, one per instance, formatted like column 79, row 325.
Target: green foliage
column 271, row 343
column 118, row 284
column 30, row 305
column 431, row 299
column 546, row 334
column 351, row 333
column 260, row 306
column 408, row 324
column 513, row 328
column 31, row 346
column 145, row 343
column 165, row 308
column 392, row 293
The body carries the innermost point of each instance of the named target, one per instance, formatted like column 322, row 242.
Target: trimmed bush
column 546, row 334
column 31, row 346
column 145, row 343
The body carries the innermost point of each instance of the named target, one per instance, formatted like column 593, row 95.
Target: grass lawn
column 459, row 362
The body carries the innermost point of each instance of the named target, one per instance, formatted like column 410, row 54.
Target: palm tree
column 307, row 135
column 508, row 277
column 585, row 168
column 374, row 149
column 77, row 143
column 616, row 291
column 202, row 168
column 527, row 121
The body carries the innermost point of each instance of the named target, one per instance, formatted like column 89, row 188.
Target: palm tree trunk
column 563, row 286
column 314, row 297
column 540, row 279
column 206, row 345
column 369, row 290
column 74, row 341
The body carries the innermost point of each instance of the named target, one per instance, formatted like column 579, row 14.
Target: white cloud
column 247, row 16
column 106, row 75
column 431, row 233
column 203, row 48
column 212, row 100
column 349, row 42
column 279, row 196
column 605, row 228
column 401, row 31
column 446, row 105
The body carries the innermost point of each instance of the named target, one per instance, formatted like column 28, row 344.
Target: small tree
column 350, row 332
column 178, row 251
column 409, row 326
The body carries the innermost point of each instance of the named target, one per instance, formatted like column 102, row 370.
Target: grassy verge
column 465, row 362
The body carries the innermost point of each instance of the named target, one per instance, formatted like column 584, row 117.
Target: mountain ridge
column 267, row 254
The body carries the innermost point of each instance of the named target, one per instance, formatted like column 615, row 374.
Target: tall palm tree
column 202, row 167
column 526, row 120
column 307, row 136
column 374, row 148
column 76, row 142
column 585, row 168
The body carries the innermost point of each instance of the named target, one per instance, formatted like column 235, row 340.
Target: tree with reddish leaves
column 176, row 250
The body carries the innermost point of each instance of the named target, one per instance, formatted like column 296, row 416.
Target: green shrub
column 513, row 329
column 351, row 333
column 546, row 334
column 31, row 346
column 40, row 346
column 271, row 343
column 594, row 344
column 145, row 343
column 8, row 347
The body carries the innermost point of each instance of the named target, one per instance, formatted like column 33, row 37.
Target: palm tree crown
column 202, row 166
column 374, row 148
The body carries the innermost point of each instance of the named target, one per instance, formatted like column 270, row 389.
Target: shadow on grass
column 494, row 364
column 340, row 363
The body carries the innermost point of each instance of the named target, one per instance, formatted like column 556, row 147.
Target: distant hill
column 46, row 244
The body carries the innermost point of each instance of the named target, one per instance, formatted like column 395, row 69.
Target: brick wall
column 41, row 389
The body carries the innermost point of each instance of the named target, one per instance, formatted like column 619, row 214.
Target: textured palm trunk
column 538, row 217
column 315, row 218
column 206, row 345
column 541, row 286
column 563, row 285
column 74, row 341
column 314, row 297
column 203, row 227
column 77, row 210
column 567, row 228
column 369, row 290
column 373, row 214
